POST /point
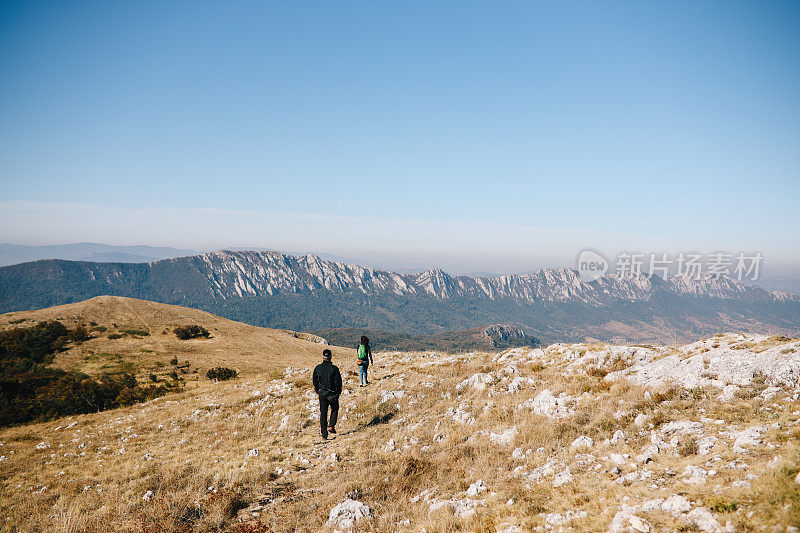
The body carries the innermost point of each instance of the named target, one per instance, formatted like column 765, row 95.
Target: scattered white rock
column 562, row 478
column 706, row 444
column 519, row 383
column 728, row 393
column 718, row 365
column 769, row 393
column 505, row 438
column 477, row 381
column 748, row 438
column 424, row 494
column 681, row 427
column 387, row 395
column 460, row 414
column 476, row 488
column 676, row 505
column 583, row 442
column 148, row 496
column 694, row 475
column 704, row 520
column 618, row 459
column 558, row 520
column 539, row 473
column 461, row 508
column 619, row 437
column 345, row 514
column 546, row 404
column 625, row 521
column 628, row 478
column 648, row 453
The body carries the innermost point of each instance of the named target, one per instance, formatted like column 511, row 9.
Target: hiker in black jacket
column 328, row 384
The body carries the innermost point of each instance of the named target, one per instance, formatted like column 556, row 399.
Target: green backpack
column 362, row 352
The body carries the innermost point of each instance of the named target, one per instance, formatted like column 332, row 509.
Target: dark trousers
column 324, row 403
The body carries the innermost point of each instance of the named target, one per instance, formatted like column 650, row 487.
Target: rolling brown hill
column 248, row 349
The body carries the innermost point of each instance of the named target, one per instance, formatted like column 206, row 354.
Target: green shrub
column 192, row 331
column 115, row 336
column 221, row 373
column 79, row 334
column 136, row 332
column 39, row 343
column 720, row 505
column 31, row 390
column 174, row 361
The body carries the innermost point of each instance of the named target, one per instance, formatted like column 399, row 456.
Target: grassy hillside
column 563, row 437
column 138, row 336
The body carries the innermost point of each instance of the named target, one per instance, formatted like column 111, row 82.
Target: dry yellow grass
column 246, row 348
column 219, row 453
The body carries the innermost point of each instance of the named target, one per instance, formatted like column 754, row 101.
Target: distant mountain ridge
column 310, row 293
column 274, row 272
column 485, row 338
column 12, row 254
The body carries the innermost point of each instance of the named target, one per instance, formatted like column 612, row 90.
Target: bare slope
column 248, row 349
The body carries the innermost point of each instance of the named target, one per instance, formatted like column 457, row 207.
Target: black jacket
column 327, row 380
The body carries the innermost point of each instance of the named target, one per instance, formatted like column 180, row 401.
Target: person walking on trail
column 364, row 360
column 328, row 385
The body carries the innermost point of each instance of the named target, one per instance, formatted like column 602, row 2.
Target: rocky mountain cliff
column 308, row 292
column 236, row 274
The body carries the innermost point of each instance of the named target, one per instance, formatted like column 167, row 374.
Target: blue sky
column 471, row 134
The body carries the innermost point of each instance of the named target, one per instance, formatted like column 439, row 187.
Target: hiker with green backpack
column 364, row 360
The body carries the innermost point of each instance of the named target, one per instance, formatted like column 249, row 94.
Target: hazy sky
column 506, row 134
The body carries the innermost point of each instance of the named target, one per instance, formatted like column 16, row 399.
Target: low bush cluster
column 32, row 390
column 80, row 334
column 192, row 331
column 221, row 373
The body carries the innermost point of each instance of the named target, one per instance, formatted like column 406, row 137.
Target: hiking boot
column 332, row 430
column 324, row 437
